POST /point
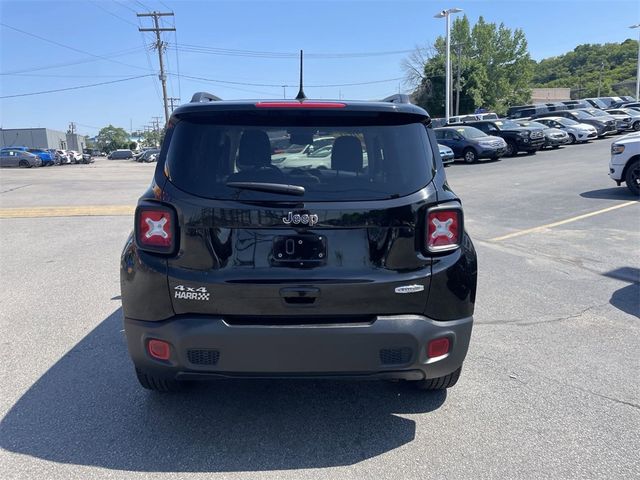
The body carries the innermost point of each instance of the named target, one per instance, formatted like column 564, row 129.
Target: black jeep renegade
column 344, row 260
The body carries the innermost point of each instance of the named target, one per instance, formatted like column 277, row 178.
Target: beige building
column 547, row 95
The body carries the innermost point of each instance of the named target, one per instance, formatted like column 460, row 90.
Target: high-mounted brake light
column 444, row 229
column 296, row 104
column 155, row 228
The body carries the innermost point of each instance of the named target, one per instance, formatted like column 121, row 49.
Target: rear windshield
column 335, row 161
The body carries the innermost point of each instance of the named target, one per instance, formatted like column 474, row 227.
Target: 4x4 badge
column 192, row 293
column 297, row 219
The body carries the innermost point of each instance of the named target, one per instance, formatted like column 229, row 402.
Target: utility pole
column 600, row 78
column 172, row 100
column 160, row 46
column 458, row 56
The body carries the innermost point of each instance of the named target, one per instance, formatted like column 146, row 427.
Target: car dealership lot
column 550, row 387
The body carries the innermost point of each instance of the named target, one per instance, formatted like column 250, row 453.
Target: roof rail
column 199, row 97
column 398, row 98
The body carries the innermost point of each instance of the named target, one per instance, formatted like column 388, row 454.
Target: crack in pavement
column 16, row 188
column 520, row 323
column 498, row 366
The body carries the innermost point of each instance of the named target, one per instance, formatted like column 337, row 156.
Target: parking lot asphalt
column 550, row 388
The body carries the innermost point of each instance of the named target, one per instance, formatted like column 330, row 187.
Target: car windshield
column 471, row 132
column 582, row 115
column 597, row 113
column 506, row 124
column 533, row 124
column 361, row 162
column 567, row 122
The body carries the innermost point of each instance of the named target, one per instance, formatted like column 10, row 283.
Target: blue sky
column 95, row 29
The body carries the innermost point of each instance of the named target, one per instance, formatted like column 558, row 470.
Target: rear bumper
column 389, row 347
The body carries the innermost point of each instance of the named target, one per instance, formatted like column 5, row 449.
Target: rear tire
column 632, row 177
column 469, row 155
column 512, row 149
column 439, row 383
column 636, row 125
column 158, row 384
column 24, row 164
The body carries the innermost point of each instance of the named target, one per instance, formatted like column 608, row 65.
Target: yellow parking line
column 561, row 222
column 67, row 211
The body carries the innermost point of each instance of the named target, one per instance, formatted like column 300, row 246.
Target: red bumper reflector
column 300, row 105
column 159, row 349
column 438, row 347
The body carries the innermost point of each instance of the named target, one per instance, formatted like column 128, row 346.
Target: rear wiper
column 268, row 187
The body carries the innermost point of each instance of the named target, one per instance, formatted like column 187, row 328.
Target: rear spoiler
column 397, row 98
column 200, row 97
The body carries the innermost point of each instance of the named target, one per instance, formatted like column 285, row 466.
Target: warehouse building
column 41, row 138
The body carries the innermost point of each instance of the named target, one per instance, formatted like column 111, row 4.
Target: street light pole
column 446, row 14
column 637, row 25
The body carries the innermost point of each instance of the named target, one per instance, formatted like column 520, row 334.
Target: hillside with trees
column 610, row 65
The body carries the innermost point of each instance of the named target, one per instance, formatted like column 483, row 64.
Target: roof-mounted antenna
column 301, row 95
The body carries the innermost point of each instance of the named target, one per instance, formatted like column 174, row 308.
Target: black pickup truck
column 519, row 139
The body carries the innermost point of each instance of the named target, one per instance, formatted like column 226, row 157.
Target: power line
column 269, row 54
column 111, row 13
column 124, row 5
column 69, row 47
column 77, row 62
column 74, row 88
column 279, row 85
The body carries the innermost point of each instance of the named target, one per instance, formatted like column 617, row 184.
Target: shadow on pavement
column 614, row 193
column 88, row 409
column 626, row 299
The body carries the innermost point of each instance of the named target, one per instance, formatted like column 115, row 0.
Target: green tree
column 495, row 65
column 111, row 138
column 152, row 138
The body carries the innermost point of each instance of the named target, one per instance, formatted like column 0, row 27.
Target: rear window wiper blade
column 269, row 187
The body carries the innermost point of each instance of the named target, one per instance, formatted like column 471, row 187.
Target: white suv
column 624, row 165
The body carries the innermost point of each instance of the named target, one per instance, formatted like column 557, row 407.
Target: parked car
column 519, row 139
column 45, row 156
column 146, row 155
column 624, row 165
column 632, row 113
column 553, row 137
column 446, row 154
column 577, row 132
column 64, row 157
column 294, row 154
column 75, row 156
column 120, row 154
column 237, row 268
column 471, row 117
column 19, row 158
column 623, row 122
column 596, row 103
column 603, row 126
column 471, row 144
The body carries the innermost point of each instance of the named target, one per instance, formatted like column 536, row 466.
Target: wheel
column 24, row 164
column 572, row 139
column 439, row 383
column 636, row 125
column 469, row 155
column 158, row 384
column 512, row 149
column 632, row 177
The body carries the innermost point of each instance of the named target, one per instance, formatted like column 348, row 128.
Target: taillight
column 155, row 228
column 444, row 229
column 159, row 349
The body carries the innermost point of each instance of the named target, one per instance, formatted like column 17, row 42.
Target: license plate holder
column 302, row 250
